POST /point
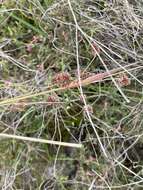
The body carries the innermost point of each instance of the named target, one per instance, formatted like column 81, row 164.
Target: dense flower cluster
column 62, row 79
column 124, row 80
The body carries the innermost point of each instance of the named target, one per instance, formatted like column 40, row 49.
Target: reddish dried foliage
column 124, row 80
column 62, row 79
column 52, row 100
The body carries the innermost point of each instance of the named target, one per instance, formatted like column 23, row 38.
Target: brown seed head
column 62, row 79
column 123, row 80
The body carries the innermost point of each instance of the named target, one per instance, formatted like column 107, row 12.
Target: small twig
column 10, row 136
column 93, row 79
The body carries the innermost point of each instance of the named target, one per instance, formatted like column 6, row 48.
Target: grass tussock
column 71, row 72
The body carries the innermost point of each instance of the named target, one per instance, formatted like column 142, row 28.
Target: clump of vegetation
column 71, row 72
